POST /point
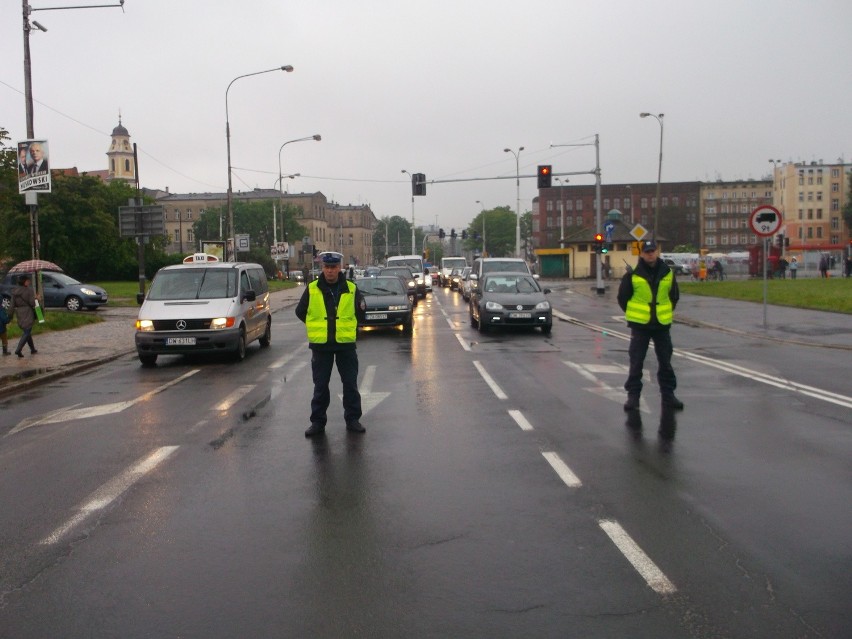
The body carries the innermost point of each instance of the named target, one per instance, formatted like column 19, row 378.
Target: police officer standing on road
column 648, row 294
column 331, row 307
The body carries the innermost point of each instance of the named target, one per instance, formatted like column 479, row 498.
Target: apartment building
column 811, row 197
column 725, row 210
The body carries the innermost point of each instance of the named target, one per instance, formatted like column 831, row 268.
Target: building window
column 579, row 205
column 835, row 204
column 819, row 214
column 665, row 201
column 549, row 206
column 616, row 203
column 569, row 205
column 675, row 201
column 643, row 203
column 189, row 236
column 819, row 232
column 177, row 235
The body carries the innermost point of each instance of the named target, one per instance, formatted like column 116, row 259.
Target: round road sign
column 765, row 220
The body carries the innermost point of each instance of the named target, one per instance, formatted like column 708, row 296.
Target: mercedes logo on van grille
column 181, row 325
column 520, row 307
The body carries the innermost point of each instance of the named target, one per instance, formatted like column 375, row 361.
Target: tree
column 499, row 231
column 397, row 240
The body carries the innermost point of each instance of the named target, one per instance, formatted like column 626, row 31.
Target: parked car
column 59, row 290
column 484, row 265
column 388, row 302
column 455, row 279
column 510, row 299
column 464, row 283
column 408, row 278
column 297, row 276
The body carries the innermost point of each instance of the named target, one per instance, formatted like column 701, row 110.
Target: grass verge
column 831, row 294
column 54, row 320
column 123, row 294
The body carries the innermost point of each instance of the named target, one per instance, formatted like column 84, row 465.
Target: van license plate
column 180, row 341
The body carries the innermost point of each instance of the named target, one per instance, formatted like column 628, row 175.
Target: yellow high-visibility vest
column 316, row 320
column 639, row 306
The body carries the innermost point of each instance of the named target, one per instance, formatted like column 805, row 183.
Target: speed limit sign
column 765, row 220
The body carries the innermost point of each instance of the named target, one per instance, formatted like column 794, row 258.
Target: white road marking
column 110, row 491
column 602, row 388
column 488, row 380
column 652, row 575
column 464, row 343
column 369, row 399
column 565, row 474
column 95, row 411
column 451, row 323
column 520, row 420
column 234, row 397
column 282, row 361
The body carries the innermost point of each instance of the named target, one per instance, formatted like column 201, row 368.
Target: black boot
column 672, row 402
column 316, row 429
column 632, row 402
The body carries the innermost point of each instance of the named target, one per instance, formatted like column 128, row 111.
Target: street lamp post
column 659, row 118
column 563, row 184
column 316, row 137
column 518, row 198
column 288, row 68
column 413, row 248
column 482, row 210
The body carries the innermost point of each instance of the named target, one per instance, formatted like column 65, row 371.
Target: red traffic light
column 544, row 176
column 598, row 237
column 544, row 170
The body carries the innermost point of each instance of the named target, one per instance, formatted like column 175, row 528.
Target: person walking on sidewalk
column 23, row 299
column 331, row 308
column 648, row 296
column 4, row 336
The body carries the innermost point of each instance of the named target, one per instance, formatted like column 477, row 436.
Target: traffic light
column 545, row 174
column 418, row 184
column 464, row 234
column 453, row 233
column 441, row 234
column 779, row 240
column 599, row 243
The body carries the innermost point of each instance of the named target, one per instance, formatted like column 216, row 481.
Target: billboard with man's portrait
column 33, row 168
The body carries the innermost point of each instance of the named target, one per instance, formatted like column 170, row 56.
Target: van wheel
column 147, row 359
column 266, row 339
column 240, row 352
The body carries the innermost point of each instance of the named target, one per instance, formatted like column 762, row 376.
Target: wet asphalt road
column 183, row 501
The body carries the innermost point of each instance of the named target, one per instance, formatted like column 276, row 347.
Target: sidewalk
column 62, row 353
column 66, row 352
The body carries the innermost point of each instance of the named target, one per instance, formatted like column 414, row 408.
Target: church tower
column 120, row 154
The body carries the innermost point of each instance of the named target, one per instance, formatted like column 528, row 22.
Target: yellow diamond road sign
column 638, row 232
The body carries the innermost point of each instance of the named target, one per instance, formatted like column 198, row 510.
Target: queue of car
column 500, row 292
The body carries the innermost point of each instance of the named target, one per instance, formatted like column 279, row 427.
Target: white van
column 415, row 263
column 204, row 306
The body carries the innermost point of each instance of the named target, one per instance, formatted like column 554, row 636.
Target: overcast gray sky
column 438, row 87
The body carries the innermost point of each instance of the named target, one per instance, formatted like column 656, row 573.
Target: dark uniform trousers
column 639, row 341
column 322, row 363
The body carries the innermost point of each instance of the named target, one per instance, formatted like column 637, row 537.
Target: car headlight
column 411, row 284
column 87, row 291
column 543, row 306
column 221, row 322
column 493, row 306
column 398, row 307
column 144, row 325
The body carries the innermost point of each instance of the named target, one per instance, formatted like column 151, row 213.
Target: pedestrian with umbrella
column 24, row 302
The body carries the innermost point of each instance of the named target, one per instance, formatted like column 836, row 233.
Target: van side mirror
column 249, row 296
column 473, row 276
column 140, row 297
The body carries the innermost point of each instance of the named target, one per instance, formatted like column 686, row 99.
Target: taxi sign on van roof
column 200, row 257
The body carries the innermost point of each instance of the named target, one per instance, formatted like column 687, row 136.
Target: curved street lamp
column 316, row 137
column 518, row 200
column 288, row 68
column 659, row 118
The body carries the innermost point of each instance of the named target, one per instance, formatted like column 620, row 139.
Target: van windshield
column 415, row 264
column 454, row 262
column 194, row 284
column 506, row 266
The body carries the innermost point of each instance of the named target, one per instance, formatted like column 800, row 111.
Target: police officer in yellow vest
column 331, row 307
column 648, row 296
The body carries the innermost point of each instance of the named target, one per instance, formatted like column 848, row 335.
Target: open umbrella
column 34, row 265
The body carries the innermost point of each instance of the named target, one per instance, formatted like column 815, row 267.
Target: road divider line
column 234, row 397
column 283, row 360
column 520, row 420
column 490, row 381
column 565, row 474
column 464, row 344
column 111, row 491
column 652, row 575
